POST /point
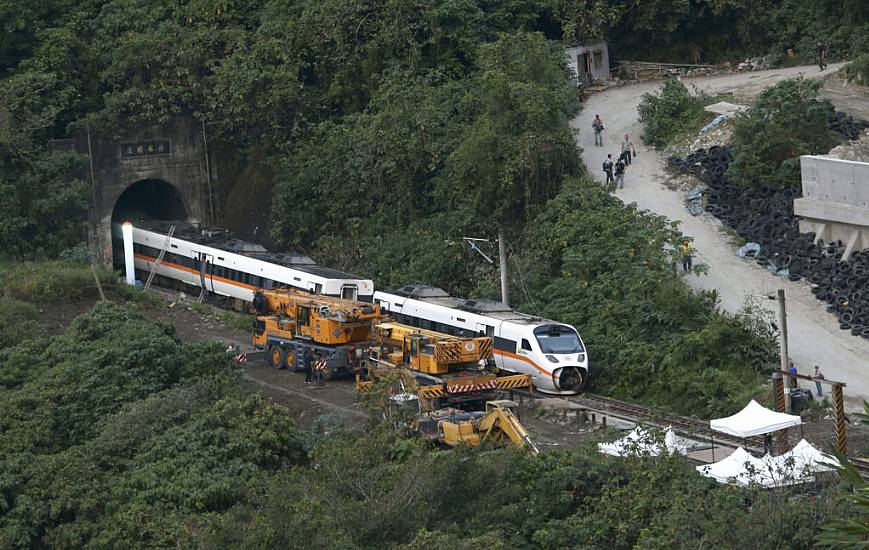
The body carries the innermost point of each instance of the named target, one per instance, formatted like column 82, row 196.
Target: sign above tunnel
column 150, row 148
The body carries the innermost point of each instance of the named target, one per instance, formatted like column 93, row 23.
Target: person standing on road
column 608, row 170
column 620, row 174
column 628, row 149
column 597, row 126
column 687, row 253
column 818, row 376
column 821, row 52
column 307, row 358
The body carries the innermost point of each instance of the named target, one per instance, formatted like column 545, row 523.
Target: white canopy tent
column 799, row 465
column 754, row 419
column 641, row 442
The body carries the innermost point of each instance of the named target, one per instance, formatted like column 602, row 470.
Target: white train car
column 236, row 269
column 552, row 353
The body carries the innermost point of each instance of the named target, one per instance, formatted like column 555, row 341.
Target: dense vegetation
column 671, row 112
column 116, row 434
column 786, row 121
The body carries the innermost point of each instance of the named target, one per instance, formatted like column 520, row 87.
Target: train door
column 485, row 330
column 205, row 270
column 349, row 292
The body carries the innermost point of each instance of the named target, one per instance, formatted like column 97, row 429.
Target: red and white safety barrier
column 463, row 388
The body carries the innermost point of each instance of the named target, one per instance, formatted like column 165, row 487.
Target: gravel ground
column 815, row 337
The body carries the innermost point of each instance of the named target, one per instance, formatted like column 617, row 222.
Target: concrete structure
column 835, row 202
column 156, row 171
column 590, row 62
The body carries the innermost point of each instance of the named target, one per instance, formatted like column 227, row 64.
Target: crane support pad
column 513, row 382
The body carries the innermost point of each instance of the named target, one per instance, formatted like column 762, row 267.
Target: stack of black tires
column 767, row 217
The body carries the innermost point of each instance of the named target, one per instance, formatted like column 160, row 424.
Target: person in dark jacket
column 608, row 170
column 821, row 52
column 620, row 174
column 307, row 360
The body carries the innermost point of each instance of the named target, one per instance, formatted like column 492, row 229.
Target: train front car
column 558, row 356
column 552, row 353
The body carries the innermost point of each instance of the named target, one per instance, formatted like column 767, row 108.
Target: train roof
column 488, row 308
column 221, row 239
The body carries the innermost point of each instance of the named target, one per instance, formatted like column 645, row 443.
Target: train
column 552, row 353
column 231, row 267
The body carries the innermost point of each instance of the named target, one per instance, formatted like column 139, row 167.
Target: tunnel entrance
column 145, row 201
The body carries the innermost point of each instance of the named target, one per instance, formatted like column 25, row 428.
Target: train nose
column 569, row 379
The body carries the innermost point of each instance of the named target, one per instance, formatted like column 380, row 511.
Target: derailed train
column 552, row 353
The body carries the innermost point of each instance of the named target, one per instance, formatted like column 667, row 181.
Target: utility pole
column 502, row 260
column 502, row 256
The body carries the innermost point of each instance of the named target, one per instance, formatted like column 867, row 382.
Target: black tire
column 277, row 357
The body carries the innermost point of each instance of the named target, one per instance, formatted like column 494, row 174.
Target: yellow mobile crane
column 291, row 322
column 447, row 369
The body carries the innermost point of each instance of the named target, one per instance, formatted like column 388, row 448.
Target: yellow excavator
column 336, row 331
column 446, row 369
column 497, row 424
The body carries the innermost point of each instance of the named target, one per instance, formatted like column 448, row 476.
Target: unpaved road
column 815, row 337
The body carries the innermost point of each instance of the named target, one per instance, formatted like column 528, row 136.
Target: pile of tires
column 844, row 125
column 767, row 217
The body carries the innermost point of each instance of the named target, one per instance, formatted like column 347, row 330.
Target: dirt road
column 815, row 337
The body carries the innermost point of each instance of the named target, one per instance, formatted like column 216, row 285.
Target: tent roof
column 640, row 442
column 754, row 419
column 732, row 468
column 795, row 466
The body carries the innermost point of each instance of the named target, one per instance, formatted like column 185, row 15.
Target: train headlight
column 581, row 357
column 552, row 358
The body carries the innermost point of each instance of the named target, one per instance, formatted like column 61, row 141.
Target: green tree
column 788, row 120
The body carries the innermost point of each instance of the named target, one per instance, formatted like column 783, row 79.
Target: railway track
column 682, row 425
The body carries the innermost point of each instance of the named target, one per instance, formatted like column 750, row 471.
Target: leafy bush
column 18, row 321
column 788, row 120
column 117, row 435
column 361, row 497
column 670, row 113
column 47, row 282
column 857, row 71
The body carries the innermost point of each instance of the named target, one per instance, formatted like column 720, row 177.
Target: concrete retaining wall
column 835, row 202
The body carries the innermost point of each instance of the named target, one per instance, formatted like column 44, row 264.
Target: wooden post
column 783, row 324
column 778, row 390
column 839, row 417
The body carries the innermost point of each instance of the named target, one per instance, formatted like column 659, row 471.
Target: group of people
column 614, row 171
column 817, row 375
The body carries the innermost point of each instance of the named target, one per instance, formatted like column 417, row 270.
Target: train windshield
column 558, row 339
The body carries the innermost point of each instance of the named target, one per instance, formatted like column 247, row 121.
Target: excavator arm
column 499, row 423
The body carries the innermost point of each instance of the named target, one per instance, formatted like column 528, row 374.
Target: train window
column 526, row 345
column 504, row 344
column 174, row 245
column 459, row 319
column 297, row 278
column 221, row 259
column 318, row 289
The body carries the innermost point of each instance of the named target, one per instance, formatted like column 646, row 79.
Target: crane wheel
column 277, row 357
